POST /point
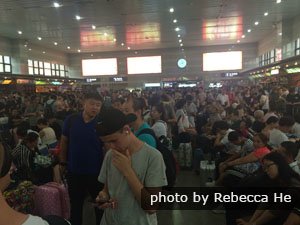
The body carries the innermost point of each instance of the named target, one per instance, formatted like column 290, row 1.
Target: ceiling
column 140, row 24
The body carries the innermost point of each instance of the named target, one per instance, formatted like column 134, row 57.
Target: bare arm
column 63, row 149
column 263, row 218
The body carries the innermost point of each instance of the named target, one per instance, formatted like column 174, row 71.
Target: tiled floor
column 177, row 217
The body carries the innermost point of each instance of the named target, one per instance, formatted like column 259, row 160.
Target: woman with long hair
column 284, row 176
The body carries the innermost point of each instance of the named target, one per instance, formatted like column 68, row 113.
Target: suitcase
column 52, row 199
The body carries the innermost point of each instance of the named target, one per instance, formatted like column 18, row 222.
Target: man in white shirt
column 223, row 98
column 277, row 136
column 131, row 172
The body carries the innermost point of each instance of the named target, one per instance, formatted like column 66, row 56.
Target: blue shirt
column 85, row 154
column 147, row 138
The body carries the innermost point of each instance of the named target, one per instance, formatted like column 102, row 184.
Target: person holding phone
column 131, row 172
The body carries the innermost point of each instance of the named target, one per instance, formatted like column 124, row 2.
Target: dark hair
column 161, row 109
column 94, row 96
column 189, row 98
column 31, row 137
column 297, row 117
column 285, row 172
column 180, row 103
column 234, row 136
column 272, row 119
column 121, row 100
column 23, row 128
column 286, row 121
column 291, row 148
column 5, row 160
column 219, row 125
column 262, row 137
column 42, row 121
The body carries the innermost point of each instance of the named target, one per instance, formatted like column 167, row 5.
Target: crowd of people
column 104, row 147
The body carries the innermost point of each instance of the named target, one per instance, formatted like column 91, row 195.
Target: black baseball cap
column 111, row 120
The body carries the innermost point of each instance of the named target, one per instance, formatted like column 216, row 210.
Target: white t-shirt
column 296, row 129
column 49, row 136
column 160, row 128
column 276, row 138
column 35, row 220
column 223, row 99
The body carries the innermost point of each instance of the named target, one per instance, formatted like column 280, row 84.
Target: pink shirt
column 261, row 152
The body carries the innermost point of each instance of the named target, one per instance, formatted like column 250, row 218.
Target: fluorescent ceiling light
column 56, row 4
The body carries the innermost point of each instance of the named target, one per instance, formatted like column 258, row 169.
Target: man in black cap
column 129, row 167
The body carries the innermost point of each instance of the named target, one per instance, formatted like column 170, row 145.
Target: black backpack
column 168, row 157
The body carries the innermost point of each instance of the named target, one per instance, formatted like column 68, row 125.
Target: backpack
column 48, row 111
column 168, row 158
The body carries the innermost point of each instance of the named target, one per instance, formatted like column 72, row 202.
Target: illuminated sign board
column 293, row 70
column 216, row 61
column 118, row 79
column 152, row 84
column 215, row 85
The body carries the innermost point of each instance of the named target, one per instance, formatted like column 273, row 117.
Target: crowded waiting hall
column 150, row 112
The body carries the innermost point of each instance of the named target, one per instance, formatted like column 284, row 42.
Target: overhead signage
column 118, row 79
column 215, row 85
column 230, row 74
column 91, row 80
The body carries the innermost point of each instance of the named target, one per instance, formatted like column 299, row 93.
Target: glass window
column 52, row 66
column 36, row 64
column 47, row 72
column 1, row 68
column 41, row 71
column 36, row 71
column 62, row 67
column 1, row 59
column 41, row 64
column 7, row 68
column 30, row 62
column 30, row 70
column 47, row 65
column 6, row 59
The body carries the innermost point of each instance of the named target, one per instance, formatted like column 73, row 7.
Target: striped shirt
column 23, row 160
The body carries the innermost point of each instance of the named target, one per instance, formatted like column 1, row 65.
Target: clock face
column 181, row 63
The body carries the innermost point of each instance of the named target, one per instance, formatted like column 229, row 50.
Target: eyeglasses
column 266, row 167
